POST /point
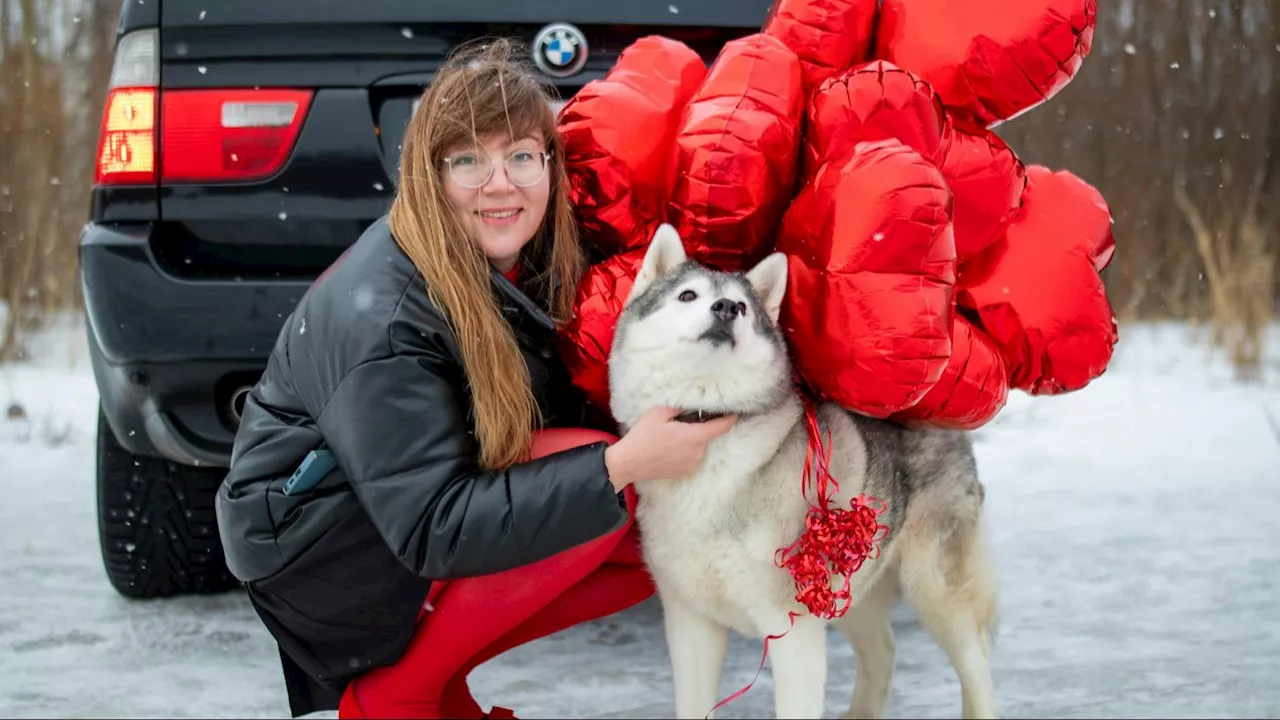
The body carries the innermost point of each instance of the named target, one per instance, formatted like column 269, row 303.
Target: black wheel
column 156, row 524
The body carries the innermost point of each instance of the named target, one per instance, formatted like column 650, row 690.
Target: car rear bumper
column 170, row 354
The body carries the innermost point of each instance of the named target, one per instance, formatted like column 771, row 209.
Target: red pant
column 476, row 619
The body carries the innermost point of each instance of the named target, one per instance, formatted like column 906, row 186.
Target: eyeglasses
column 472, row 170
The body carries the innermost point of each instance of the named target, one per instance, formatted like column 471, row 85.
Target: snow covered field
column 1135, row 525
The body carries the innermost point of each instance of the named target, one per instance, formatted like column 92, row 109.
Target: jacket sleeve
column 398, row 433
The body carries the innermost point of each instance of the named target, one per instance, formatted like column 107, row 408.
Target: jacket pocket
column 263, row 530
column 299, row 521
column 248, row 532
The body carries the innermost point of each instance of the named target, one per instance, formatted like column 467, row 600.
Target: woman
column 453, row 526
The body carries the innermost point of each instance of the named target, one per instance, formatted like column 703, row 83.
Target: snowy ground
column 1134, row 525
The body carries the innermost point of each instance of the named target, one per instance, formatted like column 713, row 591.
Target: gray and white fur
column 700, row 340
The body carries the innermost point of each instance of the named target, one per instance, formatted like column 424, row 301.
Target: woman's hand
column 659, row 446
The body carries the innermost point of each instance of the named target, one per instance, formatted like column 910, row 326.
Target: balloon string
column 835, row 540
column 791, row 616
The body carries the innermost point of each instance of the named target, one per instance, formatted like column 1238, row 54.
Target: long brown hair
column 484, row 89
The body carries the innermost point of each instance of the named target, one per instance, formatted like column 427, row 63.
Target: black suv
column 244, row 145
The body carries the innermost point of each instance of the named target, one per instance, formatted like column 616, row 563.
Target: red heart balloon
column 987, row 179
column 585, row 341
column 1037, row 292
column 872, row 101
column 736, row 153
column 871, row 278
column 827, row 35
column 989, row 59
column 973, row 387
column 617, row 134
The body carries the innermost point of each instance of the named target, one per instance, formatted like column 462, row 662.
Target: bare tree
column 48, row 137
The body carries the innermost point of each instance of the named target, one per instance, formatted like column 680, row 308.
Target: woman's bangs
column 520, row 110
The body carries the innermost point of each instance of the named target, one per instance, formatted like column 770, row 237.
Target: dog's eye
column 688, row 296
column 742, row 309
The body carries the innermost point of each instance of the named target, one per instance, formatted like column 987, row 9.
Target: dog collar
column 698, row 416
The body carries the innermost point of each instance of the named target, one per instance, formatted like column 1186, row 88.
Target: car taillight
column 127, row 148
column 196, row 135
column 127, row 138
column 228, row 135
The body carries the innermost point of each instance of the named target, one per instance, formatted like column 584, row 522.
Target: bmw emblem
column 560, row 50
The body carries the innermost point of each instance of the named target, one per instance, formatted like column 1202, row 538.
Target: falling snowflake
column 362, row 298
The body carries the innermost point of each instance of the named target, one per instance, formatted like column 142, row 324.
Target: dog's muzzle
column 724, row 313
column 725, row 310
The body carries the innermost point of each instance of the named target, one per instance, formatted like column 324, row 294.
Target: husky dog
column 708, row 343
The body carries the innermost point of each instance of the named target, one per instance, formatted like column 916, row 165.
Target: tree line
column 1174, row 117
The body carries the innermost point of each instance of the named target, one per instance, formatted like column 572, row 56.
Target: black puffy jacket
column 367, row 367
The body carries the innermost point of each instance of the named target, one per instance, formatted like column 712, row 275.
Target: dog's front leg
column 697, row 645
column 799, row 662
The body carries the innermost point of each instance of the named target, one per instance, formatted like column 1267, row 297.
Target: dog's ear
column 665, row 253
column 769, row 279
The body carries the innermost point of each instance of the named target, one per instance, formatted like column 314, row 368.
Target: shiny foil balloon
column 872, row 101
column 989, row 59
column 973, row 387
column 585, row 341
column 987, row 179
column 871, row 278
column 736, row 152
column 1037, row 292
column 618, row 133
column 827, row 35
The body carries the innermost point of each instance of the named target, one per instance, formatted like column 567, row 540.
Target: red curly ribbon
column 835, row 541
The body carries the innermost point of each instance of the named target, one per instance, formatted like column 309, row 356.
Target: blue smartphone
column 315, row 466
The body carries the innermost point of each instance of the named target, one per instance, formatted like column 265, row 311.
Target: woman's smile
column 500, row 217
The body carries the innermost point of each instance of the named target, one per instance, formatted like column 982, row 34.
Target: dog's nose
column 725, row 310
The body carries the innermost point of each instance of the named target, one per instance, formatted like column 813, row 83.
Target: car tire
column 156, row 524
